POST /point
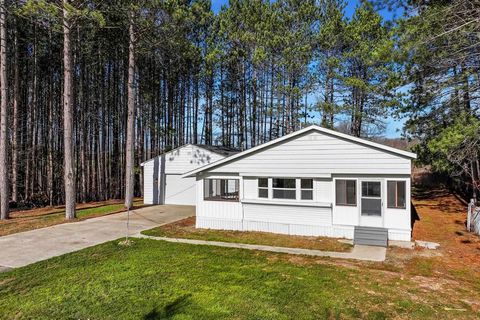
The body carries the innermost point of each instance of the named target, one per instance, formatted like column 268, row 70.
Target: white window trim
column 284, row 199
column 238, row 184
column 263, row 188
column 299, row 181
column 382, row 196
column 298, row 189
column 386, row 194
column 357, row 193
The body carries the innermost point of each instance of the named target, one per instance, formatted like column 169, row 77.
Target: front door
column 371, row 204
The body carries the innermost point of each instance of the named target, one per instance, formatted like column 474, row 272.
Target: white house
column 162, row 175
column 315, row 182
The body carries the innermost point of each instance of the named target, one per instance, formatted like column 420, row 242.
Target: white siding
column 316, row 153
column 225, row 215
column 286, row 219
column 296, row 217
column 398, row 218
column 323, row 190
column 287, row 214
column 392, row 218
column 188, row 158
column 399, row 235
column 250, row 187
column 148, row 185
column 184, row 159
column 323, row 157
column 162, row 175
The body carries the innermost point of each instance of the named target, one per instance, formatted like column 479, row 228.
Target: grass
column 103, row 210
column 159, row 280
column 43, row 217
column 186, row 229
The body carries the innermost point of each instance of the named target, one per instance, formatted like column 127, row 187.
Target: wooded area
column 90, row 89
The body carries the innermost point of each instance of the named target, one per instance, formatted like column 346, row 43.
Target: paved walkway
column 20, row 249
column 359, row 252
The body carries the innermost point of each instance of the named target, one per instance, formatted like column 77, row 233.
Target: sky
column 394, row 126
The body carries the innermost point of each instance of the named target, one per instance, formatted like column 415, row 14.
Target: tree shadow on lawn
column 421, row 193
column 171, row 309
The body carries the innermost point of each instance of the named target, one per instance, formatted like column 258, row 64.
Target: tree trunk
column 50, row 135
column 16, row 100
column 69, row 175
column 3, row 116
column 129, row 163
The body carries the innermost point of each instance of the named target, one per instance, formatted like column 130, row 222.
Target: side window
column 306, row 186
column 220, row 189
column 396, row 194
column 345, row 192
column 263, row 187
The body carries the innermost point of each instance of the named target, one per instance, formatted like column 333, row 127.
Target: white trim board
column 295, row 203
column 282, row 175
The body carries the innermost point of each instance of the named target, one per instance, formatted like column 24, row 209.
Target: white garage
column 162, row 175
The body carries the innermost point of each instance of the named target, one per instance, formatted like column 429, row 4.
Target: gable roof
column 334, row 133
column 220, row 150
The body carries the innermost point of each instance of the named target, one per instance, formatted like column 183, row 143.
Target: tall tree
column 16, row 102
column 368, row 67
column 330, row 49
column 4, row 194
column 129, row 169
column 69, row 166
column 440, row 46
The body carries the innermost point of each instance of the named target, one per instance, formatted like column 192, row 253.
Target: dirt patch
column 442, row 220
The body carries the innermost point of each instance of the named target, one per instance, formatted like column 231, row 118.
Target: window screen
column 220, row 189
column 396, row 194
column 346, row 192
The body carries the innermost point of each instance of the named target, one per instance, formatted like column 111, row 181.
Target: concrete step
column 370, row 236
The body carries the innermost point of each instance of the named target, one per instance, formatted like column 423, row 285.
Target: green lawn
column 43, row 217
column 186, row 229
column 102, row 210
column 157, row 280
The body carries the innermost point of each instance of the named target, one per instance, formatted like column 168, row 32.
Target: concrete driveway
column 21, row 249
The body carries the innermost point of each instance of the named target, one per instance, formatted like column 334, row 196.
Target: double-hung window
column 220, row 189
column 263, row 187
column 284, row 188
column 306, row 189
column 396, row 194
column 345, row 192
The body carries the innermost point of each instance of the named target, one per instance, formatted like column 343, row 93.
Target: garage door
column 179, row 190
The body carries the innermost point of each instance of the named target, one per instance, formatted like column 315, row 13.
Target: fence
column 473, row 218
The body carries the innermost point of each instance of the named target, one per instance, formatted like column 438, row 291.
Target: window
column 220, row 189
column 284, row 188
column 263, row 187
column 396, row 191
column 306, row 189
column 346, row 192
